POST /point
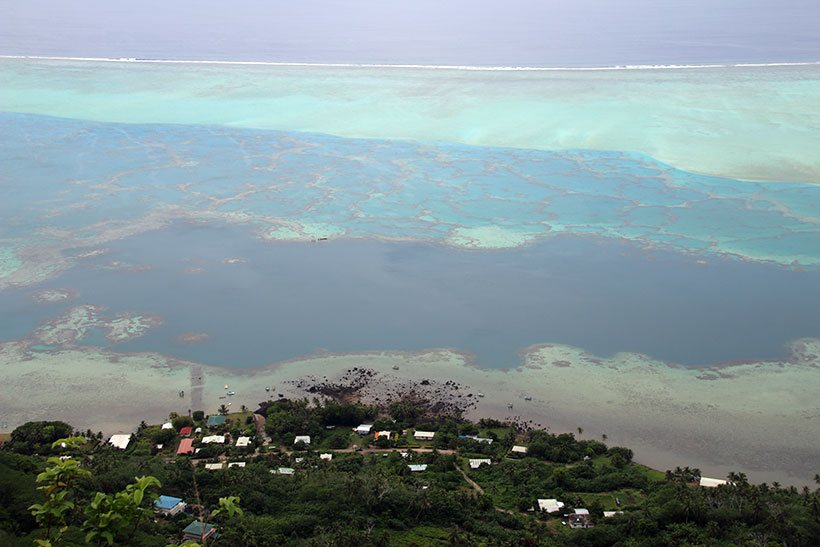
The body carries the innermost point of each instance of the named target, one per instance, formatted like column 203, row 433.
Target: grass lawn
column 421, row 535
column 628, row 496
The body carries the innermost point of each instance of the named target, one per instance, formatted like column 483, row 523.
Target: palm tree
column 604, row 437
column 580, row 431
column 223, row 410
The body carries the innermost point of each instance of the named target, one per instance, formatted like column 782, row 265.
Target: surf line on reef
column 412, row 66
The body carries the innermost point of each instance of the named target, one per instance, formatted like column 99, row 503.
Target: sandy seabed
column 718, row 419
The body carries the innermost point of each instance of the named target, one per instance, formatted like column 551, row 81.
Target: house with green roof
column 196, row 531
column 216, row 421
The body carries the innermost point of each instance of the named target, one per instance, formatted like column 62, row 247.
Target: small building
column 216, row 421
column 167, row 425
column 519, row 449
column 712, row 483
column 610, row 514
column 168, row 505
column 550, row 505
column 185, row 431
column 213, row 466
column 302, row 439
column 476, row 438
column 120, row 440
column 580, row 519
column 236, row 464
column 327, row 457
column 243, row 442
column 186, row 446
column 476, row 463
column 417, row 467
column 424, row 435
column 197, row 530
column 198, row 430
column 283, row 471
column 383, row 434
column 363, row 429
column 214, row 439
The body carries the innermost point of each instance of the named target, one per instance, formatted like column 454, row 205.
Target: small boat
column 226, row 386
column 528, row 398
column 510, row 406
column 231, row 393
column 395, row 367
column 481, row 395
column 267, row 388
column 181, row 393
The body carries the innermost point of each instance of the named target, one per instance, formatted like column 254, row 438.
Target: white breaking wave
column 407, row 66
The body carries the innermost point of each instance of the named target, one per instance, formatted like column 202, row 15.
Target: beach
column 718, row 419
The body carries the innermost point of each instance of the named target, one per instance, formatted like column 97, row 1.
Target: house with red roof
column 186, row 446
column 185, row 431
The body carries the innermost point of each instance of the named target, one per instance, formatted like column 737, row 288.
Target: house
column 236, row 464
column 416, row 467
column 302, row 439
column 186, row 446
column 326, row 457
column 197, row 530
column 711, row 483
column 216, row 439
column 198, row 430
column 185, row 431
column 283, row 471
column 610, row 514
column 216, row 421
column 243, row 442
column 169, row 506
column 386, row 434
column 424, row 435
column 363, row 429
column 477, row 439
column 475, row 464
column 580, row 519
column 167, row 425
column 550, row 505
column 120, row 440
column 213, row 466
column 519, row 449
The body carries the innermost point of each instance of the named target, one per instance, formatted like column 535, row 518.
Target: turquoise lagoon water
column 66, row 182
column 288, row 300
column 481, row 249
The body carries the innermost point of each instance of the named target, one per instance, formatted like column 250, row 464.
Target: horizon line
column 411, row 66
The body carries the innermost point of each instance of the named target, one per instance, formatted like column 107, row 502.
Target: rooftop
column 167, row 502
column 120, row 440
column 216, row 420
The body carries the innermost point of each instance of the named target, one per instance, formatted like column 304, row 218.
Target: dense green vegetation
column 367, row 494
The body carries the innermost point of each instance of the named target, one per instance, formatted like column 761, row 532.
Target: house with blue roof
column 169, row 506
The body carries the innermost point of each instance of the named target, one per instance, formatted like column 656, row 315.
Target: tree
column 115, row 516
column 223, row 410
column 38, row 437
column 57, row 483
column 580, row 431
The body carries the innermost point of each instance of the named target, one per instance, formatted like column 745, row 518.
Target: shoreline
column 414, row 66
column 669, row 416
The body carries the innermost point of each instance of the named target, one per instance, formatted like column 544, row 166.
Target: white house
column 242, row 442
column 363, row 429
column 215, row 439
column 385, row 434
column 475, row 464
column 302, row 439
column 519, row 449
column 550, row 505
column 213, row 466
column 415, row 467
column 236, row 464
column 326, row 456
column 167, row 425
column 424, row 435
column 712, row 483
column 283, row 471
column 580, row 519
column 120, row 440
column 610, row 514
